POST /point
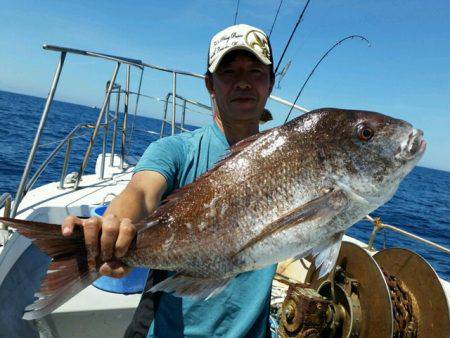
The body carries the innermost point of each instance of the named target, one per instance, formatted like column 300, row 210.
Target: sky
column 405, row 73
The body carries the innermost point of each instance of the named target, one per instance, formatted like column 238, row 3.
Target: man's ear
column 272, row 82
column 209, row 84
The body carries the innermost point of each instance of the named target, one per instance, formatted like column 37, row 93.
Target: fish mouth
column 414, row 147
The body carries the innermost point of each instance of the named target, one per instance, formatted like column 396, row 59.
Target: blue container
column 134, row 282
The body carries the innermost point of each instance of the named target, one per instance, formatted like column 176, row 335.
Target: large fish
column 286, row 192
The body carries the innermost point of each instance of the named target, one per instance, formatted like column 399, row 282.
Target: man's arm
column 140, row 198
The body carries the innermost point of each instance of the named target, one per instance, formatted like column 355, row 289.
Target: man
column 239, row 79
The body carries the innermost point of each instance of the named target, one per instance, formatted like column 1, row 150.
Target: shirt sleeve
column 165, row 157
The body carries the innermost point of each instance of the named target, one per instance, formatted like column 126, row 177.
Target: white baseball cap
column 243, row 37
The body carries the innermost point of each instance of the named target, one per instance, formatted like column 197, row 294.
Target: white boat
column 96, row 313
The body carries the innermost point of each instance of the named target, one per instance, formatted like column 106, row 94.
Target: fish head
column 367, row 153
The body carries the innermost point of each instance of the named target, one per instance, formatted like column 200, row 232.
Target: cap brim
column 212, row 68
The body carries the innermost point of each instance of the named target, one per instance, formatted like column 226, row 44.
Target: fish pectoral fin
column 326, row 255
column 197, row 287
column 325, row 207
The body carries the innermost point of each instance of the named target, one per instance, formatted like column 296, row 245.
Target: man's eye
column 228, row 71
column 256, row 70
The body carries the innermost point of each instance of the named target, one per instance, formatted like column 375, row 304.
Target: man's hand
column 115, row 239
column 138, row 200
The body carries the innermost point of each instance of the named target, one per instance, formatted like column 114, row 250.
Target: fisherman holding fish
column 256, row 199
column 239, row 79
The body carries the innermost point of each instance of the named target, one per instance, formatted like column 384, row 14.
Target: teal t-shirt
column 242, row 308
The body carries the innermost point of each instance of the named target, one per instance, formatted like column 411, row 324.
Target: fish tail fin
column 68, row 272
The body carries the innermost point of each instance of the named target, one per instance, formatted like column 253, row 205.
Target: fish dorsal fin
column 326, row 255
column 326, row 207
column 196, row 287
column 241, row 145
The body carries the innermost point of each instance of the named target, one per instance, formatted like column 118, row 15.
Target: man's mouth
column 243, row 99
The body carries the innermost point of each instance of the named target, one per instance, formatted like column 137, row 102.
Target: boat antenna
column 237, row 10
column 292, row 34
column 317, row 64
column 275, row 19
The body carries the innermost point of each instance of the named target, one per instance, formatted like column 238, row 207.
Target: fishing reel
column 395, row 293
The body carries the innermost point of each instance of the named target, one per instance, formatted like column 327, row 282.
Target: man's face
column 240, row 85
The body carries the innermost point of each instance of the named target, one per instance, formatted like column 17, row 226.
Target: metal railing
column 378, row 225
column 183, row 112
column 5, row 201
column 26, row 183
column 67, row 140
column 104, row 115
column 26, row 172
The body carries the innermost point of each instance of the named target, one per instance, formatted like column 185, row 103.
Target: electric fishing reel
column 395, row 293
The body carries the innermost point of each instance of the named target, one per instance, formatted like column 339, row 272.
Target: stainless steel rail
column 97, row 125
column 115, row 119
column 174, row 101
column 5, row 201
column 50, row 157
column 105, row 132
column 136, row 104
column 196, row 103
column 120, row 59
column 288, row 103
column 125, row 118
column 66, row 163
column 26, row 183
column 378, row 225
column 183, row 113
column 26, row 171
column 173, row 71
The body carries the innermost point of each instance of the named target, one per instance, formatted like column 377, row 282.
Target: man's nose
column 243, row 83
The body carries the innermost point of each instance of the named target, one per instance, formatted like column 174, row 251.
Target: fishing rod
column 237, row 10
column 317, row 64
column 276, row 16
column 292, row 34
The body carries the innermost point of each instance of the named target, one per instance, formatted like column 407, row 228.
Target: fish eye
column 365, row 133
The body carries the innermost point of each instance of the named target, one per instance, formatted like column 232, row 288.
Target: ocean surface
column 421, row 204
